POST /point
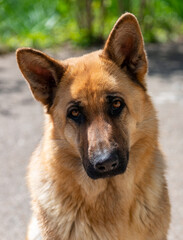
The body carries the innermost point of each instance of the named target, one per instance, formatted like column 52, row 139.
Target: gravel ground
column 21, row 128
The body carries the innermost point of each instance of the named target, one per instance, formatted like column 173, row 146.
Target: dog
column 98, row 172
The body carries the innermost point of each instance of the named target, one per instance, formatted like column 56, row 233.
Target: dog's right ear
column 42, row 72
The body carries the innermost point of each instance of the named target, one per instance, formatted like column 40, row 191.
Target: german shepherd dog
column 98, row 172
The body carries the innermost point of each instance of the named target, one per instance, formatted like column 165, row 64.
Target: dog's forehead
column 90, row 78
column 87, row 75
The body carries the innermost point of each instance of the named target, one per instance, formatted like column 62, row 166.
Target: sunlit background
column 65, row 28
column 43, row 23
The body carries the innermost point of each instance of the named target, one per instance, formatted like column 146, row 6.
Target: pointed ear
column 42, row 72
column 125, row 46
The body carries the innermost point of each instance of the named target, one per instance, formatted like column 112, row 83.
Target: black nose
column 108, row 164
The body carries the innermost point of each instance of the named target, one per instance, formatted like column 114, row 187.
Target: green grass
column 44, row 23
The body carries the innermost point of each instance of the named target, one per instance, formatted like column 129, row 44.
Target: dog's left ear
column 125, row 46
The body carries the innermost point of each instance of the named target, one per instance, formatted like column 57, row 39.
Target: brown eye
column 116, row 104
column 75, row 113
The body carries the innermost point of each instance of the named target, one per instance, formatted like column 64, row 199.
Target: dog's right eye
column 76, row 115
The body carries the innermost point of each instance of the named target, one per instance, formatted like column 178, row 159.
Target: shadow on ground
column 166, row 59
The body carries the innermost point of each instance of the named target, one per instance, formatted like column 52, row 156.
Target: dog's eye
column 116, row 104
column 76, row 115
column 116, row 107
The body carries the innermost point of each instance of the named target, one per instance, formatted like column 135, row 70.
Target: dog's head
column 94, row 101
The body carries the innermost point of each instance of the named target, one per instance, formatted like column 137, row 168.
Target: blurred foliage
column 44, row 23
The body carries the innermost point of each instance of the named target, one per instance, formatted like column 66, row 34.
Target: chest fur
column 69, row 216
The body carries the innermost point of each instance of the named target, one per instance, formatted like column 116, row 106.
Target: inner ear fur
column 125, row 46
column 42, row 72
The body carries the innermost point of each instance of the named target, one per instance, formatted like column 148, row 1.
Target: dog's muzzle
column 106, row 164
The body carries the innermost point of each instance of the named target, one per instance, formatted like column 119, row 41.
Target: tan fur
column 69, row 205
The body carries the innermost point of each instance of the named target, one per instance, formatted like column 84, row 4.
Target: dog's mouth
column 112, row 166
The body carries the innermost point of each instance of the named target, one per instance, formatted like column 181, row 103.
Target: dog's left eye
column 116, row 107
column 116, row 104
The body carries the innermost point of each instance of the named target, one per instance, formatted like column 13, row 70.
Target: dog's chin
column 92, row 173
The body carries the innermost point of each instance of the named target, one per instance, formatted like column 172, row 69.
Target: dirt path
column 21, row 127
